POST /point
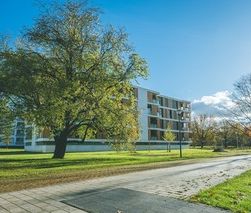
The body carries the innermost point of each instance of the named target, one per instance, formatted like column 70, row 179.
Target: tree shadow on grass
column 16, row 152
column 53, row 163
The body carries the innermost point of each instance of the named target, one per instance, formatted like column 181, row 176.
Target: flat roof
column 160, row 95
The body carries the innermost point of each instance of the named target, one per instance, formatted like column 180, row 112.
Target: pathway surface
column 175, row 182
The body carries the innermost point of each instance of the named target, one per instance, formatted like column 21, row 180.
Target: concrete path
column 176, row 182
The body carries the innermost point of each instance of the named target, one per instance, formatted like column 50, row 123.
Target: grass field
column 19, row 169
column 234, row 194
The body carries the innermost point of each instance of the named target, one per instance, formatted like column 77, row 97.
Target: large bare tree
column 242, row 103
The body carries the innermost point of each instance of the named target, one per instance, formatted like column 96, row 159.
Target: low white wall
column 96, row 148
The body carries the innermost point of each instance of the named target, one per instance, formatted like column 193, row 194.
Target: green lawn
column 234, row 194
column 19, row 169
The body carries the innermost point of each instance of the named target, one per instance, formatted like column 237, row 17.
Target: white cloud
column 219, row 98
column 217, row 104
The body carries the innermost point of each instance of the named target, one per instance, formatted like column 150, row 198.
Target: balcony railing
column 154, row 138
column 155, row 101
column 153, row 125
column 152, row 113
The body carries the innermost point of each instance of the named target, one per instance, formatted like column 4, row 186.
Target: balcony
column 150, row 112
column 155, row 101
column 153, row 126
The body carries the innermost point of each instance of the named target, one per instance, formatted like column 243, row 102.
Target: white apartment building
column 156, row 113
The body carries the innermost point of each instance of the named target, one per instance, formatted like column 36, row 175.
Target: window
column 162, row 112
column 28, row 133
column 153, row 122
column 20, row 125
column 20, row 141
column 170, row 114
column 20, row 133
column 161, row 101
column 153, row 135
column 162, row 124
column 149, row 109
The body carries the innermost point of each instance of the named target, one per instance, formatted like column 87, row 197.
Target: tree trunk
column 60, row 145
column 225, row 144
column 201, row 144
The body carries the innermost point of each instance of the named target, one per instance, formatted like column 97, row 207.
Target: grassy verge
column 234, row 194
column 20, row 170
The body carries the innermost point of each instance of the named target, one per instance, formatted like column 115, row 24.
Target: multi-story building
column 156, row 113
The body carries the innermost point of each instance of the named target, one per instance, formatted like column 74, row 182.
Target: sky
column 195, row 49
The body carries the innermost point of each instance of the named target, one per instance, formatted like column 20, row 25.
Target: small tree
column 169, row 137
column 123, row 131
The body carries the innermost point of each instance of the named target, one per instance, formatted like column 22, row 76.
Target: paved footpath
column 175, row 182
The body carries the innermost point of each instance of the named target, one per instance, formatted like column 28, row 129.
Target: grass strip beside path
column 23, row 170
column 233, row 194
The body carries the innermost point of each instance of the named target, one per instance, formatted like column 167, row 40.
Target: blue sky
column 194, row 48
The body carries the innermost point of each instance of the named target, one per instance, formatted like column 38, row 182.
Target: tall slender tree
column 70, row 74
column 169, row 137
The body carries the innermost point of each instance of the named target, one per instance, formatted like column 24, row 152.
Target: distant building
column 18, row 134
column 156, row 113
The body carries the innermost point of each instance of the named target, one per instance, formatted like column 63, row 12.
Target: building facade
column 156, row 113
column 17, row 137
